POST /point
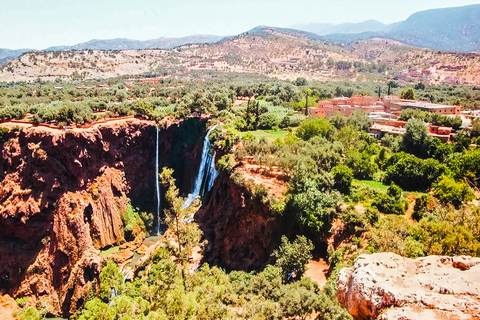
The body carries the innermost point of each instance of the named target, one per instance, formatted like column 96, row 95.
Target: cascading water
column 157, row 186
column 212, row 174
column 206, row 172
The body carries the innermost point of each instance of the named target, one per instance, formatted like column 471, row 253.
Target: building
column 442, row 133
column 396, row 105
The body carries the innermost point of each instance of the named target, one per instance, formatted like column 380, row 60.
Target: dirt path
column 317, row 271
column 411, row 204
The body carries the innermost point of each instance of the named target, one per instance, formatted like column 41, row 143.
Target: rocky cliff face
column 388, row 286
column 241, row 231
column 62, row 195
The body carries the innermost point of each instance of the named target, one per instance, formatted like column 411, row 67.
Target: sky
column 38, row 24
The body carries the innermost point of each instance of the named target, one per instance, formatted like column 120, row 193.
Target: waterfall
column 212, row 174
column 206, row 172
column 157, row 186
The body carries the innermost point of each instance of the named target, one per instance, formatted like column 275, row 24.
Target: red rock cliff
column 62, row 195
column 241, row 231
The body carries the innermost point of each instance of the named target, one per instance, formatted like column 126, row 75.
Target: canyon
column 63, row 194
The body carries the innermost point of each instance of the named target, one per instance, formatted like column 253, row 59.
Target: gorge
column 63, row 195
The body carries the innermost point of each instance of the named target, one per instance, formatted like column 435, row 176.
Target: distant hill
column 275, row 52
column 450, row 29
column 6, row 54
column 345, row 28
column 127, row 44
column 266, row 30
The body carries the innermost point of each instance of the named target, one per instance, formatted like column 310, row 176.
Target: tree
column 343, row 176
column 315, row 127
column 300, row 82
column 408, row 94
column 475, row 132
column 450, row 191
column 293, row 258
column 414, row 138
column 187, row 234
column 110, row 279
column 390, row 202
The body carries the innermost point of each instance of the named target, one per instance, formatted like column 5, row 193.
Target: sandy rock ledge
column 388, row 286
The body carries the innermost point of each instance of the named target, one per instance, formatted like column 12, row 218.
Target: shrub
column 390, row 202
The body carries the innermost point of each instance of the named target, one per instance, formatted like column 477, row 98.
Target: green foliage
column 343, row 176
column 446, row 232
column 450, row 191
column 412, row 173
column 475, row 131
column 110, row 279
column 31, row 313
column 467, row 166
column 421, row 206
column 408, row 94
column 292, row 258
column 21, row 302
column 390, row 202
column 133, row 222
column 225, row 163
column 415, row 137
column 309, row 208
column 313, row 127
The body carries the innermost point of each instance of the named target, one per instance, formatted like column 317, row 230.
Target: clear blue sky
column 38, row 24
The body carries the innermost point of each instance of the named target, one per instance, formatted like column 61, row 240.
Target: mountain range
column 450, row 29
column 127, row 44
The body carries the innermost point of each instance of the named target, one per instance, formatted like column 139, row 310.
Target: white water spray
column 206, row 172
column 157, row 186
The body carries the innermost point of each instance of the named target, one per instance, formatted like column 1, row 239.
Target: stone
column 387, row 286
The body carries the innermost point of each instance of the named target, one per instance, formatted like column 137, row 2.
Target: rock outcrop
column 62, row 195
column 240, row 230
column 388, row 286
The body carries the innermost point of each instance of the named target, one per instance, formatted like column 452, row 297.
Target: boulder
column 388, row 286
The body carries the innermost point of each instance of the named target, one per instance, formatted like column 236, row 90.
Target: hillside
column 276, row 52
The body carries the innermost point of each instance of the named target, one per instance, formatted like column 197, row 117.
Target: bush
column 450, row 191
column 390, row 202
column 292, row 258
column 315, row 127
column 343, row 176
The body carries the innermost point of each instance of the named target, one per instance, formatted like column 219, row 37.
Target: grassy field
column 110, row 251
column 375, row 185
column 270, row 135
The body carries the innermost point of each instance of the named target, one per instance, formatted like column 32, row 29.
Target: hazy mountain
column 449, row 29
column 345, row 28
column 125, row 44
column 6, row 54
column 452, row 29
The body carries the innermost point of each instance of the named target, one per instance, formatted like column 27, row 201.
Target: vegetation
column 337, row 175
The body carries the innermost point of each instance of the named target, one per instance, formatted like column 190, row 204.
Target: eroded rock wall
column 241, row 230
column 62, row 195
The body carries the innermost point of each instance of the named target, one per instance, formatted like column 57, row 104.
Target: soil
column 271, row 179
column 317, row 271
